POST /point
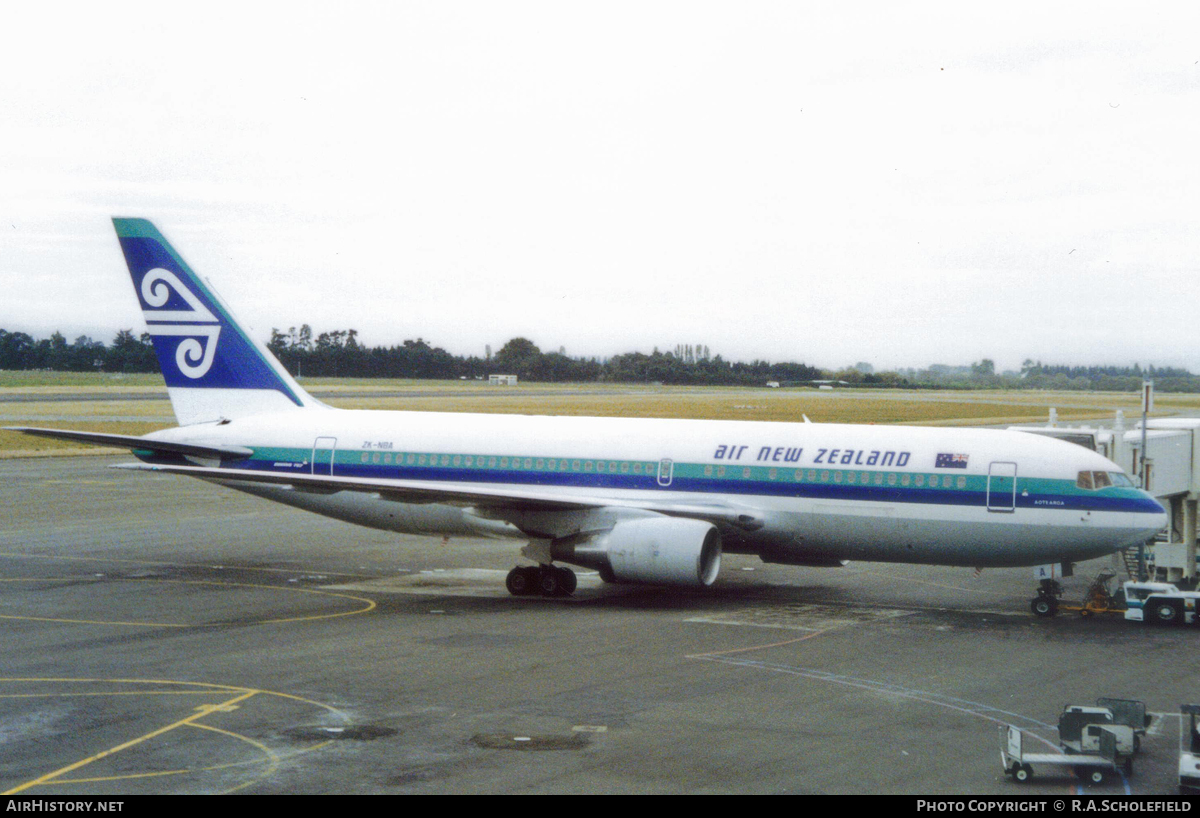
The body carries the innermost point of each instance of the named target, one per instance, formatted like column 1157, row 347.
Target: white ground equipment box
column 1189, row 748
column 1021, row 765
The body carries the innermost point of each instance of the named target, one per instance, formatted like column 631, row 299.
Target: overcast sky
column 903, row 184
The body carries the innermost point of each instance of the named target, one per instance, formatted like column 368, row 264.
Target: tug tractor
column 1151, row 602
column 1160, row 602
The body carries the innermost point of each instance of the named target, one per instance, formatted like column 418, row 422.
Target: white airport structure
column 1172, row 468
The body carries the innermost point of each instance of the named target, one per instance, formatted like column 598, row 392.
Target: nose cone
column 1155, row 514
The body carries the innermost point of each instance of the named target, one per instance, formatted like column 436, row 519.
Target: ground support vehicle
column 1160, row 602
column 1151, row 602
column 1131, row 713
column 1127, row 717
column 1095, row 768
column 1080, row 729
column 1189, row 748
column 1098, row 598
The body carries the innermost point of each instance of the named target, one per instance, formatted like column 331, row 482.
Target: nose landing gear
column 547, row 580
column 1045, row 604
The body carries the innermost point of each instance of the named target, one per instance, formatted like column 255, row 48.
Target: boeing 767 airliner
column 639, row 500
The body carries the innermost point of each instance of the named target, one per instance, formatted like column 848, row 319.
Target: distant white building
column 502, row 380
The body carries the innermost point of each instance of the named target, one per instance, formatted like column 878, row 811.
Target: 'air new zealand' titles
column 651, row 501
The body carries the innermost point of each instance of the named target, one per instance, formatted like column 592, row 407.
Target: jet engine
column 651, row 550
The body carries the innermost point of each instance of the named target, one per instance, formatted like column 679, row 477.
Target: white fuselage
column 810, row 493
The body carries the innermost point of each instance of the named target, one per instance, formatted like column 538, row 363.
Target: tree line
column 126, row 353
column 339, row 353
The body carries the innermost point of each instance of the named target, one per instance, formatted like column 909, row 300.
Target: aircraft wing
column 493, row 499
column 134, row 443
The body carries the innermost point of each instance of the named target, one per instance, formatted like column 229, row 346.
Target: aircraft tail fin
column 214, row 369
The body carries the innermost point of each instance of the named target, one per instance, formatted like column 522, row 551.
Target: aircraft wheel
column 520, row 582
column 1044, row 606
column 1022, row 773
column 567, row 581
column 549, row 581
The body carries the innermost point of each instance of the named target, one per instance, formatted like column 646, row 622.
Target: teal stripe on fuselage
column 810, row 483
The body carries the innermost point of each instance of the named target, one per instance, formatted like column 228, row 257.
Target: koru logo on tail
column 199, row 327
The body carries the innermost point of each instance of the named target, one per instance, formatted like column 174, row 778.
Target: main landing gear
column 547, row 580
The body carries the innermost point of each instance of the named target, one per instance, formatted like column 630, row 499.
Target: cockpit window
column 1102, row 480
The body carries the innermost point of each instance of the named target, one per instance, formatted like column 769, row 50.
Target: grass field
column 136, row 404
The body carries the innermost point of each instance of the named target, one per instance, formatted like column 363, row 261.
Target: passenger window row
column 495, row 462
column 849, row 478
column 835, row 476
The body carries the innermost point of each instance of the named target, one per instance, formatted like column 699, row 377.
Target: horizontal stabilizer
column 135, row 443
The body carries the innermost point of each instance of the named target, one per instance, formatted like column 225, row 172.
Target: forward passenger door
column 1002, row 487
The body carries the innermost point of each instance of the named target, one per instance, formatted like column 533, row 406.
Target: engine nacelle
column 652, row 550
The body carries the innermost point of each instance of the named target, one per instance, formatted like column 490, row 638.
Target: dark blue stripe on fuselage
column 642, row 482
